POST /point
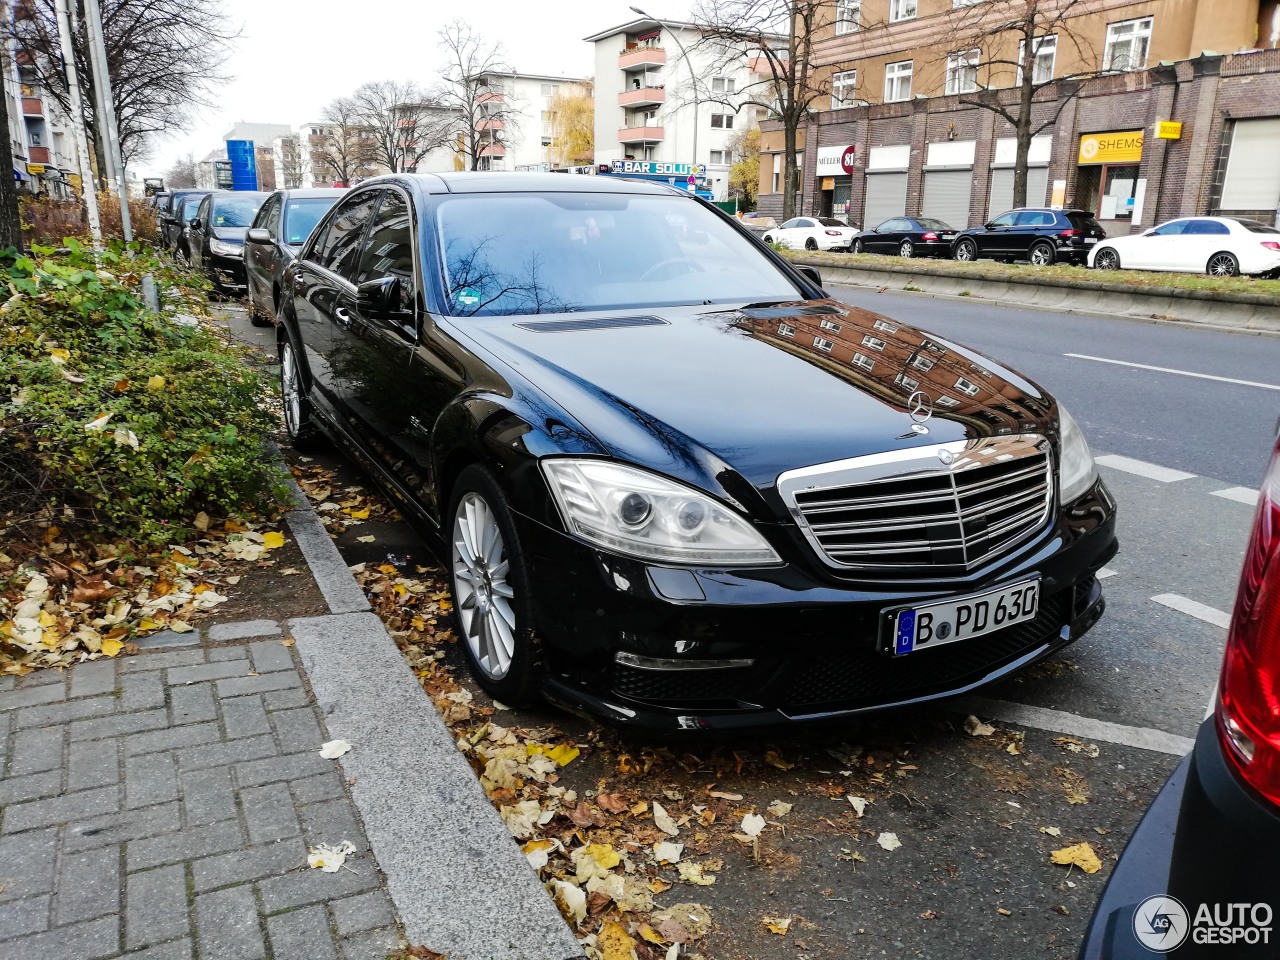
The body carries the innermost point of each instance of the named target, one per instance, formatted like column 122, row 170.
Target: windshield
column 301, row 217
column 233, row 211
column 560, row 252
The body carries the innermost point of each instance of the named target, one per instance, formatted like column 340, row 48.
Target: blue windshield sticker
column 466, row 297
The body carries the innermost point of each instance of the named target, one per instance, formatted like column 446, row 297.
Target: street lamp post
column 675, row 35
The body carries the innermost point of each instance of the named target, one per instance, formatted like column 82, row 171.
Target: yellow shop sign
column 1169, row 130
column 1125, row 147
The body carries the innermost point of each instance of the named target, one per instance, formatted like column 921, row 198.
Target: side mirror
column 375, row 298
column 194, row 223
column 988, row 226
column 258, row 235
column 1149, row 233
column 810, row 273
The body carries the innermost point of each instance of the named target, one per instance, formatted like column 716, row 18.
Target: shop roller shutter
column 886, row 197
column 946, row 196
column 1002, row 190
column 1253, row 173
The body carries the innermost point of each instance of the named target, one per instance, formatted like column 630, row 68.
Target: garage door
column 886, row 197
column 1002, row 190
column 1253, row 175
column 946, row 196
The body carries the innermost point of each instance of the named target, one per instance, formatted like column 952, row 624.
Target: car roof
column 503, row 182
column 304, row 192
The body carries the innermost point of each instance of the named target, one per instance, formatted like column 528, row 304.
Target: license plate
column 1090, row 239
column 947, row 236
column 936, row 624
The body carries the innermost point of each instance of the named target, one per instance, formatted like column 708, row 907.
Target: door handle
column 343, row 315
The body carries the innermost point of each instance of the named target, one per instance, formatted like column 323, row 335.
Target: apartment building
column 1150, row 110
column 514, row 125
column 44, row 160
column 665, row 104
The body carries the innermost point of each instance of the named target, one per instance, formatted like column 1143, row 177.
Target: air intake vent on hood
column 590, row 323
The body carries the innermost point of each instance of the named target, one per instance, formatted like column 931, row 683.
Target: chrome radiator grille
column 927, row 511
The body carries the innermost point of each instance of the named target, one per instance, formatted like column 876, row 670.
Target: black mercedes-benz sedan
column 675, row 484
column 907, row 237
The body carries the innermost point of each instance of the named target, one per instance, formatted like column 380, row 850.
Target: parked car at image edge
column 1218, row 246
column 812, row 233
column 1212, row 834
column 1036, row 234
column 215, row 237
column 584, row 392
column 172, row 225
column 279, row 230
column 907, row 237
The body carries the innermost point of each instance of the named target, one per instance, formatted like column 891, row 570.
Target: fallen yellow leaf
column 155, row 384
column 778, row 925
column 272, row 540
column 112, row 647
column 563, row 754
column 614, row 943
column 1080, row 855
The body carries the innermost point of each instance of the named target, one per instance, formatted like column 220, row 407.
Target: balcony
column 640, row 135
column 38, row 154
column 32, row 107
column 642, row 57
column 490, row 98
column 761, row 66
column 494, row 150
column 494, row 124
column 644, row 97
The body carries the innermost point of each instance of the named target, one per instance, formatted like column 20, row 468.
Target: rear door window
column 389, row 249
column 1035, row 218
column 1207, row 228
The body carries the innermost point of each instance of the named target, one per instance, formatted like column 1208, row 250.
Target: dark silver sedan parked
column 278, row 233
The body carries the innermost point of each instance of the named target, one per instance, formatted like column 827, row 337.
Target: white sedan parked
column 812, row 233
column 1219, row 246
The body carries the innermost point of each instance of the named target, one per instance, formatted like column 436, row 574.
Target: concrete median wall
column 1238, row 311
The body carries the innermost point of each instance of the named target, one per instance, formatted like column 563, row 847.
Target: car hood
column 693, row 390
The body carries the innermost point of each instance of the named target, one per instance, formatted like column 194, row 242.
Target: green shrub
column 119, row 417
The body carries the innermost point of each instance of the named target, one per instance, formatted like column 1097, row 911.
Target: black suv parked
column 1037, row 234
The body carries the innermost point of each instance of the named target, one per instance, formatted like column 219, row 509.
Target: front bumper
column 816, row 645
column 227, row 273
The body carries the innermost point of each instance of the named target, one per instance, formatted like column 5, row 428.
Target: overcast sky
column 294, row 56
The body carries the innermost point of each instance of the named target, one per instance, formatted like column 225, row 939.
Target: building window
column 922, row 363
column 722, row 121
column 945, row 401
column 903, row 380
column 1127, row 44
column 843, row 87
column 830, row 325
column 848, row 16
column 966, row 387
column 873, row 343
column 964, row 3
column 885, row 326
column 723, row 85
column 865, row 362
column 786, row 330
column 823, row 344
column 901, row 10
column 1045, row 59
column 777, row 171
column 718, row 157
column 548, row 89
column 962, row 72
column 897, row 81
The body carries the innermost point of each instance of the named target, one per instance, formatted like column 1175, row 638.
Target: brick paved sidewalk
column 160, row 806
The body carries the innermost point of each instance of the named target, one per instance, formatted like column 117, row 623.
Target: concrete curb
column 1235, row 311
column 458, row 879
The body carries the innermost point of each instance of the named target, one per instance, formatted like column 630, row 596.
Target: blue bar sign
column 906, row 637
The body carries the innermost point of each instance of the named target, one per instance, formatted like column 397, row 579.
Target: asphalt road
column 972, row 878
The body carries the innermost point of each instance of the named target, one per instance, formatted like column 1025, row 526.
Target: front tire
column 1106, row 259
column 492, row 598
column 966, row 251
column 299, row 416
column 857, row 246
column 1223, row 265
column 906, row 249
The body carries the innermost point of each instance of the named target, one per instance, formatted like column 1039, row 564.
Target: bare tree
column 182, row 174
column 346, row 145
column 403, row 123
column 473, row 91
column 164, row 57
column 775, row 40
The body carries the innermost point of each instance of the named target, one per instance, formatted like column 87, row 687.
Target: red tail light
column 929, row 237
column 832, row 233
column 1248, row 711
column 1069, row 233
column 1271, row 245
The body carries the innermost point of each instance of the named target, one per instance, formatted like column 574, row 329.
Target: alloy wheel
column 1223, row 265
column 1041, row 255
column 1107, row 260
column 906, row 249
column 966, row 251
column 482, row 589
column 291, row 389
column 811, row 244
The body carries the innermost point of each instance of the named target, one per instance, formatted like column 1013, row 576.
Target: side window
column 1203, row 227
column 269, row 215
column 793, row 222
column 1004, row 220
column 338, row 241
column 1172, row 229
column 389, row 250
column 1034, row 218
column 202, row 212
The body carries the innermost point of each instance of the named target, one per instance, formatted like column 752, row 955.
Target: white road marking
column 1107, row 572
column 1151, row 471
column 1195, row 609
column 1059, row 721
column 1239, row 494
column 1181, row 373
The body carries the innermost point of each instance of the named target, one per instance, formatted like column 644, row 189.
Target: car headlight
column 1076, row 471
column 224, row 249
column 632, row 511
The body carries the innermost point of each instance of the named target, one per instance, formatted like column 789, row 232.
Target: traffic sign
column 692, row 180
